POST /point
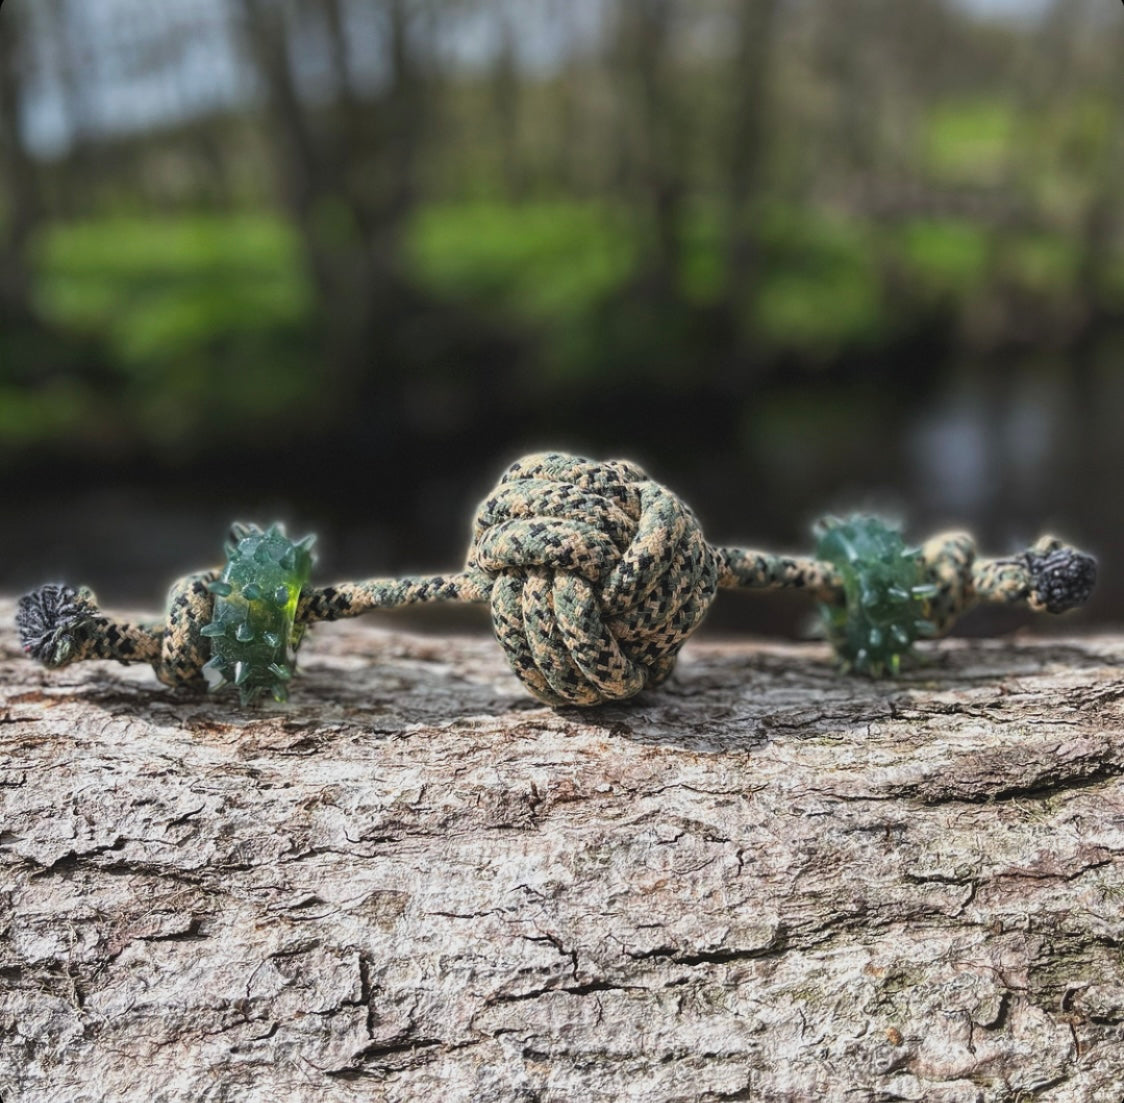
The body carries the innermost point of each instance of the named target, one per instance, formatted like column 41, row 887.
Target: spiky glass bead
column 252, row 631
column 885, row 591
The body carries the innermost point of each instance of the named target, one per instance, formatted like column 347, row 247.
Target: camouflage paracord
column 596, row 577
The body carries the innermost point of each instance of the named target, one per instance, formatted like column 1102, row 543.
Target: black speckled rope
column 596, row 576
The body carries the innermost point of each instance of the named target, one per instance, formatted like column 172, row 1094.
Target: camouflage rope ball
column 596, row 576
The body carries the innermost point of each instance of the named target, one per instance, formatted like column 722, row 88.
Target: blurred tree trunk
column 349, row 182
column 755, row 34
column 363, row 145
column 845, row 29
column 18, row 174
column 348, row 141
column 1046, row 58
column 405, row 115
column 65, row 28
column 336, row 26
column 643, row 49
column 569, row 174
column 299, row 159
column 505, row 103
column 1101, row 221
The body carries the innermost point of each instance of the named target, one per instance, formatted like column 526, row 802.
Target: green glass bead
column 885, row 591
column 252, row 631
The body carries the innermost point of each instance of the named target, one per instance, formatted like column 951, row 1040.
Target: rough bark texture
column 764, row 881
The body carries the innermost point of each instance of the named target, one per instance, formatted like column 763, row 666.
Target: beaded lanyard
column 596, row 576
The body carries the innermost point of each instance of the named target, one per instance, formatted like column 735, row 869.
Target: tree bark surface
column 765, row 880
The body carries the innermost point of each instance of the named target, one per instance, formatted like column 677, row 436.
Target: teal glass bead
column 252, row 631
column 885, row 592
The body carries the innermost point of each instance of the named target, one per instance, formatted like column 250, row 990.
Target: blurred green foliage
column 644, row 208
column 948, row 255
column 820, row 289
column 203, row 316
column 199, row 317
column 968, row 141
column 540, row 264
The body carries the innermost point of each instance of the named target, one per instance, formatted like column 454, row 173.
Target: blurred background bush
column 792, row 256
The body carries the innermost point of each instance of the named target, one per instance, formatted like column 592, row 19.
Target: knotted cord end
column 1061, row 577
column 50, row 621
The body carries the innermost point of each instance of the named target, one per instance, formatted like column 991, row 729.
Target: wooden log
column 765, row 880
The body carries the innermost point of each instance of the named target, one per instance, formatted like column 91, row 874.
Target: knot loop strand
column 569, row 644
column 612, row 480
column 183, row 649
column 121, row 641
column 508, row 624
column 535, row 500
column 555, row 544
column 694, row 574
column 664, row 523
column 949, row 560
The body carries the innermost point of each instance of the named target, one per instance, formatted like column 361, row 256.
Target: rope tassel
column 596, row 577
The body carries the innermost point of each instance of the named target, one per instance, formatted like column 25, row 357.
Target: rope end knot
column 1061, row 577
column 51, row 620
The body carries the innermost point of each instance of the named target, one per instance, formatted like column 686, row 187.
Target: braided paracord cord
column 596, row 577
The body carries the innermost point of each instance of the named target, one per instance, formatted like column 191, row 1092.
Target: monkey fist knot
column 598, row 576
